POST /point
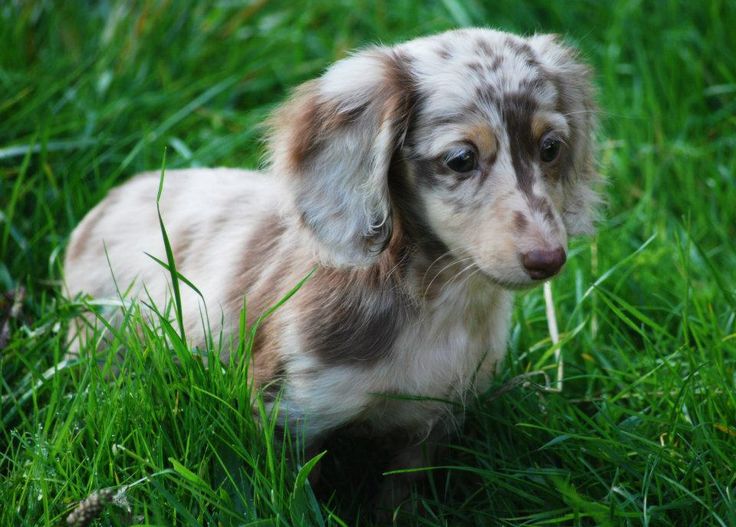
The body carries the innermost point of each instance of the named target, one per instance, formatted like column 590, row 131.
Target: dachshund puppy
column 423, row 182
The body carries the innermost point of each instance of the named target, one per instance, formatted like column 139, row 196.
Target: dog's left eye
column 549, row 149
column 462, row 160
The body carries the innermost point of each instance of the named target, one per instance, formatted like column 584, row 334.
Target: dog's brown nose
column 541, row 264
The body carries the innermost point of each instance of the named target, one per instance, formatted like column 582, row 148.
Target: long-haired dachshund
column 425, row 182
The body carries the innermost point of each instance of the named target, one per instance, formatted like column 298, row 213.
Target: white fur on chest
column 449, row 349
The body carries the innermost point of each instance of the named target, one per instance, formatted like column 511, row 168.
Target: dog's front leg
column 418, row 454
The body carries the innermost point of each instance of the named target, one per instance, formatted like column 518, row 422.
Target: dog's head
column 482, row 139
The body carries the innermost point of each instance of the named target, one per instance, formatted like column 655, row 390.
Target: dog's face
column 492, row 137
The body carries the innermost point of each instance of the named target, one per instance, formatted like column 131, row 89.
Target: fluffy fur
column 415, row 261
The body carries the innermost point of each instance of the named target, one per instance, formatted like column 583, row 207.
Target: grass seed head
column 90, row 508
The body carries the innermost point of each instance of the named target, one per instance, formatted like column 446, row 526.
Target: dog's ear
column 577, row 99
column 334, row 140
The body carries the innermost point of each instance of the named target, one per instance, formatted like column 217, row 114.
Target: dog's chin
column 522, row 283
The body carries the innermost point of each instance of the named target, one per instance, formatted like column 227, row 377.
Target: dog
column 422, row 183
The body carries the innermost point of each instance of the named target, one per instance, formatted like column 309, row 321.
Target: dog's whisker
column 457, row 276
column 438, row 273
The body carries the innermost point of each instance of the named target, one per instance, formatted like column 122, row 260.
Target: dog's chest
column 435, row 357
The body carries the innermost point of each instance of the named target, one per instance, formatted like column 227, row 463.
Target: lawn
column 643, row 431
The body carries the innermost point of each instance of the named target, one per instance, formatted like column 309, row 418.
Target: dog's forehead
column 468, row 70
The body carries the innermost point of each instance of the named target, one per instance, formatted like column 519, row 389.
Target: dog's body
column 425, row 182
column 347, row 338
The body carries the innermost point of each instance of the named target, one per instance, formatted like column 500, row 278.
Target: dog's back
column 210, row 215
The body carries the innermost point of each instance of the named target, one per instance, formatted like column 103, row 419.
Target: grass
column 644, row 430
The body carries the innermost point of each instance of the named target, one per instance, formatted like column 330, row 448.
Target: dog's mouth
column 518, row 278
column 510, row 284
column 525, row 281
column 516, row 286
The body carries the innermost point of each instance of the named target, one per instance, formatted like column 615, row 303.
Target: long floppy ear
column 333, row 140
column 574, row 82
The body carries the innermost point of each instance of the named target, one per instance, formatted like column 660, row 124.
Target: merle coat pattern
column 425, row 181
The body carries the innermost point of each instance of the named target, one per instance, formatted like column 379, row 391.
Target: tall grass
column 644, row 431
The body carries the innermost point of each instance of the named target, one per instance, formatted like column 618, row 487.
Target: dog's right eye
column 462, row 160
